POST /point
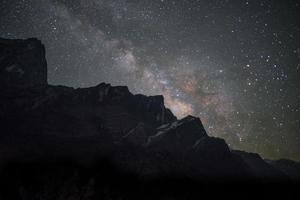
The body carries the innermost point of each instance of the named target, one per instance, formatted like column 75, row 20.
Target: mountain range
column 58, row 142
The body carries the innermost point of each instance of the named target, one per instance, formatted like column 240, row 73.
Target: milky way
column 234, row 64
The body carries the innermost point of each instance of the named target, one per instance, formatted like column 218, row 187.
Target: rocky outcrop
column 178, row 136
column 22, row 63
column 65, row 111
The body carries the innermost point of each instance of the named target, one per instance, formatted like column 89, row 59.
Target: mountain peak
column 22, row 63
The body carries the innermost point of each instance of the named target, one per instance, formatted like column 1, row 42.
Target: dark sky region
column 233, row 63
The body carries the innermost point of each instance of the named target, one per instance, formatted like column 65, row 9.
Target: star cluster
column 233, row 63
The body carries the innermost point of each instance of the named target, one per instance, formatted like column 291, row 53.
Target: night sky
column 233, row 63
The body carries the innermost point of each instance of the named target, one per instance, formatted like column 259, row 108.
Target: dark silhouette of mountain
column 103, row 142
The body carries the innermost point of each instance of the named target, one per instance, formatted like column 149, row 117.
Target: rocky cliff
column 22, row 63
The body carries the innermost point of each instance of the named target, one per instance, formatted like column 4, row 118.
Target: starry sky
column 233, row 63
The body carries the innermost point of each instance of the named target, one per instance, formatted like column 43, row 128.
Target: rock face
column 288, row 167
column 260, row 168
column 22, row 63
column 135, row 132
column 178, row 136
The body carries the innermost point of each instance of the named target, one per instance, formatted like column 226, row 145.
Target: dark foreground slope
column 103, row 142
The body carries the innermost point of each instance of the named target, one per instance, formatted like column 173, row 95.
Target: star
column 227, row 62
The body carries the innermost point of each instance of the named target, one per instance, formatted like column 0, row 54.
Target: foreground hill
column 58, row 142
